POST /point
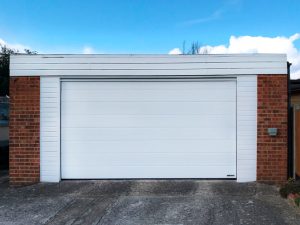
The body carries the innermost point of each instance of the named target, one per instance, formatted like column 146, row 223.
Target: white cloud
column 15, row 46
column 175, row 51
column 88, row 50
column 259, row 44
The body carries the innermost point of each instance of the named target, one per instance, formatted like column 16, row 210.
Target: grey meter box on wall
column 272, row 131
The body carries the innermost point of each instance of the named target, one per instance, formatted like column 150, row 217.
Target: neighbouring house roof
column 295, row 86
column 4, row 111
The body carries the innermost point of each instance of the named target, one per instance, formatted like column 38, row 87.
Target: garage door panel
column 158, row 172
column 131, row 129
column 177, row 85
column 148, row 95
column 149, row 108
column 159, row 133
column 147, row 146
column 140, row 121
column 153, row 159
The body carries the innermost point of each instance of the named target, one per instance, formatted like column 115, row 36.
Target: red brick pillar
column 24, row 130
column 272, row 112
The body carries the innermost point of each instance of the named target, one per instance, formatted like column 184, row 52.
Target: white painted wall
column 50, row 129
column 246, row 128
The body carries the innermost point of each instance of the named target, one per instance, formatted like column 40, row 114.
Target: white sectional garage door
column 148, row 129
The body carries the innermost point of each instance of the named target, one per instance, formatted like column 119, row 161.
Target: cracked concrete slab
column 145, row 202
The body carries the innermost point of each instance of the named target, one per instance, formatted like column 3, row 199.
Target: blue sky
column 142, row 26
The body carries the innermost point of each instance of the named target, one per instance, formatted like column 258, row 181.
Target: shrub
column 297, row 202
column 291, row 187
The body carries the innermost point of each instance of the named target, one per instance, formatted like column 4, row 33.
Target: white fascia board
column 147, row 65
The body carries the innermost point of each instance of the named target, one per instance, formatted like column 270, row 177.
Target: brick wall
column 24, row 130
column 272, row 112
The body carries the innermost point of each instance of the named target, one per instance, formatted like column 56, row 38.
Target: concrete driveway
column 145, row 202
